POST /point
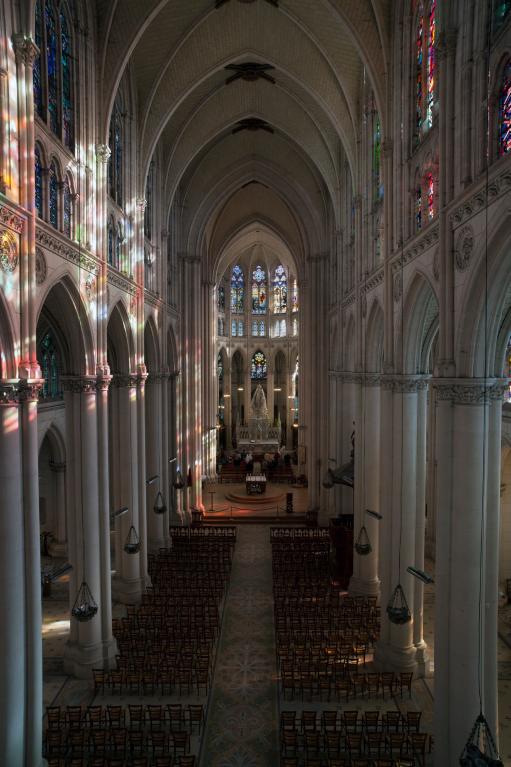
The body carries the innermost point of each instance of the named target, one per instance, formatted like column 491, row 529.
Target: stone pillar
column 289, row 411
column 13, row 663
column 396, row 649
column 365, row 578
column 59, row 469
column 228, row 407
column 84, row 650
column 109, row 644
column 154, row 461
column 420, row 532
column 141, row 479
column 468, row 482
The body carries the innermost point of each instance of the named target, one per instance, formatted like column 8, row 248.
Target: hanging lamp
column 480, row 749
column 84, row 608
column 363, row 544
column 397, row 609
column 132, row 544
column 178, row 482
column 159, row 504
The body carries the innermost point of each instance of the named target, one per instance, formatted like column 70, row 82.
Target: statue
column 258, row 407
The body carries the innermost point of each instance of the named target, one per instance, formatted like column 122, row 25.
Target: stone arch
column 8, row 358
column 481, row 324
column 420, row 325
column 63, row 310
column 121, row 347
column 349, row 344
column 374, row 338
column 151, row 346
column 172, row 352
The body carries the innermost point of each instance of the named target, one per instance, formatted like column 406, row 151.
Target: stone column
column 467, row 453
column 289, row 411
column 365, row 578
column 228, row 407
column 84, row 650
column 59, row 469
column 141, row 479
column 396, row 649
column 154, row 461
column 420, row 531
column 109, row 644
column 14, row 679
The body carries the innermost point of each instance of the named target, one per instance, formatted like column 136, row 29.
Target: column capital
column 25, row 50
column 103, row 152
column 79, row 384
column 14, row 392
column 469, row 391
column 404, row 384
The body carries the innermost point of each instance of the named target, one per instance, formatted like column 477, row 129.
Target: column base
column 369, row 587
column 389, row 658
column 127, row 592
column 79, row 660
column 423, row 660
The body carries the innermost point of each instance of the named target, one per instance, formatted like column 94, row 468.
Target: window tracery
column 280, row 290
column 504, row 114
column 259, row 291
column 425, row 66
column 259, row 366
column 237, row 290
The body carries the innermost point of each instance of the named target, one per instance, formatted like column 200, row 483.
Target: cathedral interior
column 255, row 401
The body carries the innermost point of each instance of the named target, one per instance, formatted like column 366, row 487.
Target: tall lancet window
column 259, row 291
column 504, row 117
column 38, row 170
column 425, row 65
column 67, row 207
column 54, row 196
column 280, row 290
column 115, row 162
column 237, row 290
column 50, row 367
column 53, row 74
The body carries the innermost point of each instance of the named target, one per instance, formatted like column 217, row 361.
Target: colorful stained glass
column 280, row 290
column 418, row 208
column 294, row 297
column 54, row 197
column 118, row 246
column 262, row 328
column 38, row 173
column 220, row 298
column 259, row 292
column 378, row 185
column 52, row 67
column 111, row 242
column 504, row 126
column 430, row 186
column 259, row 366
column 148, row 211
column 419, row 41
column 237, row 290
column 67, row 208
column 118, row 158
column 50, row 367
column 431, row 63
column 241, row 328
column 67, row 83
column 501, row 10
column 38, row 69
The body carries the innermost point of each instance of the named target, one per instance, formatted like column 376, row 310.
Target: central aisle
column 242, row 724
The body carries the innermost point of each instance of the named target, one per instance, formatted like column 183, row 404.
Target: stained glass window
column 378, row 186
column 118, row 246
column 52, row 67
column 54, row 197
column 418, row 208
column 220, row 298
column 262, row 328
column 418, row 68
column 254, row 327
column 116, row 156
column 430, row 185
column 38, row 71
column 50, row 367
column 259, row 366
column 280, row 290
column 501, row 10
column 237, row 290
column 67, row 84
column 431, row 63
column 280, row 330
column 148, row 211
column 234, row 328
column 295, row 327
column 241, row 328
column 111, row 242
column 38, row 172
column 504, row 126
column 221, row 326
column 67, row 208
column 220, row 367
column 259, row 292
column 294, row 297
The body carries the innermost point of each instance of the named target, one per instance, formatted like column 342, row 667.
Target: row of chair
column 163, row 761
column 173, row 716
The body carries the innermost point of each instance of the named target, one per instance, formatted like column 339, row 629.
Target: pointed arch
column 421, row 316
column 151, row 346
column 349, row 344
column 121, row 346
column 374, row 338
column 8, row 361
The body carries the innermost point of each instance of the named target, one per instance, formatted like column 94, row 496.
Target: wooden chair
column 405, row 681
column 195, row 716
column 289, row 742
column 287, row 720
column 417, row 742
column 312, row 743
column 115, row 718
column 180, row 742
column 329, row 721
column 288, row 761
column 308, row 721
column 332, row 743
column 186, row 761
column 350, row 721
column 54, row 718
column 388, row 681
column 391, row 721
column 370, row 721
column 412, row 721
column 100, row 679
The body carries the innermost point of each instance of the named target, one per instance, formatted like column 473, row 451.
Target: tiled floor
column 242, row 724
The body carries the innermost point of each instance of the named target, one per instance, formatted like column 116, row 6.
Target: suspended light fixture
column 178, row 482
column 132, row 544
column 84, row 608
column 159, row 504
column 374, row 514
column 397, row 609
column 420, row 575
column 480, row 749
column 363, row 544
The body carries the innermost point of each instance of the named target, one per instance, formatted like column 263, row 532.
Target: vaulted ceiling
column 299, row 129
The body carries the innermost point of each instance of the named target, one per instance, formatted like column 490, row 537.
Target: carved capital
column 469, row 391
column 25, row 50
column 79, row 384
column 103, row 152
column 404, row 384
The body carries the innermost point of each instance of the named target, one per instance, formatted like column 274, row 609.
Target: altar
column 258, row 435
column 255, row 484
